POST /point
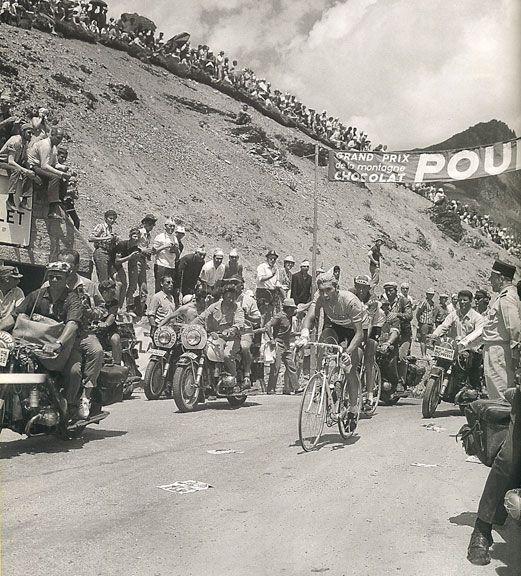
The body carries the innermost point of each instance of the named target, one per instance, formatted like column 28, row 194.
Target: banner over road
column 442, row 166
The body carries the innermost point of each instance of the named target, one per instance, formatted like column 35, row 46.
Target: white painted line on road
column 225, row 451
column 420, row 465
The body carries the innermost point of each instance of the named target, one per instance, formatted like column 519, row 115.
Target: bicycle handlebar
column 323, row 345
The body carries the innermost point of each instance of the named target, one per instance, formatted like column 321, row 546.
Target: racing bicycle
column 325, row 399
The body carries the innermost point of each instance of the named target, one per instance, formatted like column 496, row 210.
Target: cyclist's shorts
column 336, row 332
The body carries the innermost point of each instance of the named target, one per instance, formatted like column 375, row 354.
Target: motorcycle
column 448, row 378
column 31, row 400
column 199, row 375
column 413, row 375
column 163, row 359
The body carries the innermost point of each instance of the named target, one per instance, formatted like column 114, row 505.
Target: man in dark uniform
column 301, row 285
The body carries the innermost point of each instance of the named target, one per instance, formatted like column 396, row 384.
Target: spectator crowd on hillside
column 133, row 30
column 505, row 237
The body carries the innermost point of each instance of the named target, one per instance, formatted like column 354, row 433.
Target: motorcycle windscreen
column 215, row 349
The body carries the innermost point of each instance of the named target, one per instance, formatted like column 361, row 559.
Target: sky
column 409, row 73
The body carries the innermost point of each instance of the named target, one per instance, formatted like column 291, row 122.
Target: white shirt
column 162, row 243
column 10, row 300
column 210, row 274
column 263, row 270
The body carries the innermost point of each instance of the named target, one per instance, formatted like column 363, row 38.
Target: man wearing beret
column 501, row 333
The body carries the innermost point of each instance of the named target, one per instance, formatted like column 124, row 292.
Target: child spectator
column 107, row 329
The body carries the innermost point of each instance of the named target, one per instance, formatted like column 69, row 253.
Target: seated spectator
column 39, row 123
column 43, row 160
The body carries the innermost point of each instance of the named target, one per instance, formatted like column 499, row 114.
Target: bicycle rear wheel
column 312, row 413
column 343, row 406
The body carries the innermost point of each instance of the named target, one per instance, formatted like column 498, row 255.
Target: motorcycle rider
column 389, row 346
column 459, row 324
column 191, row 306
column 252, row 316
column 344, row 315
column 56, row 301
column 226, row 318
column 402, row 308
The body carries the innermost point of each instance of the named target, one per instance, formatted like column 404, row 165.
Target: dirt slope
column 162, row 154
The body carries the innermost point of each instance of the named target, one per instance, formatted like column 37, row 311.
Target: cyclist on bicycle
column 372, row 326
column 344, row 315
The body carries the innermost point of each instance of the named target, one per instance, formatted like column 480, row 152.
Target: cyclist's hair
column 327, row 277
column 466, row 294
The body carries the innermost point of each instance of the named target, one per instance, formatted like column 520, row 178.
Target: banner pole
column 315, row 226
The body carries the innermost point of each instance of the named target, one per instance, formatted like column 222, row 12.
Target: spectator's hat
column 289, row 259
column 481, row 294
column 187, row 299
column 430, row 291
column 9, row 271
column 289, row 303
column 404, row 285
column 26, row 126
column 271, row 253
column 390, row 285
column 363, row 280
column 59, row 267
column 444, row 295
column 218, row 252
column 149, row 218
column 304, row 264
column 234, row 253
column 180, row 229
column 504, row 268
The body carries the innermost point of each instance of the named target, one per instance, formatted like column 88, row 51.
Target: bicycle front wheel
column 343, row 405
column 312, row 413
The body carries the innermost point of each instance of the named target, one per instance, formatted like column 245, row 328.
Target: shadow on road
column 333, row 441
column 507, row 552
column 52, row 444
column 220, row 405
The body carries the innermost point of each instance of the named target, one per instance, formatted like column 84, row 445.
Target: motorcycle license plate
column 444, row 352
column 4, row 357
column 160, row 353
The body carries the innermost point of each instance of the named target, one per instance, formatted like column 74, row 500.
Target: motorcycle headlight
column 6, row 340
column 165, row 337
column 194, row 336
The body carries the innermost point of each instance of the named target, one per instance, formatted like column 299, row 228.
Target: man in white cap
column 233, row 268
column 166, row 249
column 286, row 276
column 212, row 273
column 301, row 284
column 425, row 318
column 268, row 283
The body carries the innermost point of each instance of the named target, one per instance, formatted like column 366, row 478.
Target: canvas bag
column 44, row 331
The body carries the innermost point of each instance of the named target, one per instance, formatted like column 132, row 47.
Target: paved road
column 92, row 507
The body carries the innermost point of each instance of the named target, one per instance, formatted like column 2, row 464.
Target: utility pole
column 315, row 227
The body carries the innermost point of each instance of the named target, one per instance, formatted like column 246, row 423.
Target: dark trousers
column 85, row 363
column 505, row 473
column 283, row 356
column 137, row 279
column 101, row 259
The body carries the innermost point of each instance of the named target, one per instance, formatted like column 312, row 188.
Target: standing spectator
column 104, row 240
column 212, row 273
column 282, row 326
column 39, row 123
column 442, row 311
column 482, row 300
column 125, row 251
column 137, row 268
column 162, row 303
column 188, row 271
column 425, row 318
column 301, row 284
column 286, row 276
column 501, row 334
column 233, row 268
column 166, row 249
column 336, row 273
column 404, row 291
column 68, row 191
column 43, row 160
column 453, row 304
column 375, row 256
column 13, row 158
column 268, row 280
column 11, row 296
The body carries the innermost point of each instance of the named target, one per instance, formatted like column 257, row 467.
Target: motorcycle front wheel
column 154, row 384
column 431, row 397
column 184, row 388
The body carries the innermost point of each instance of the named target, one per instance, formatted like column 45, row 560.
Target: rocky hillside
column 170, row 146
column 499, row 196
